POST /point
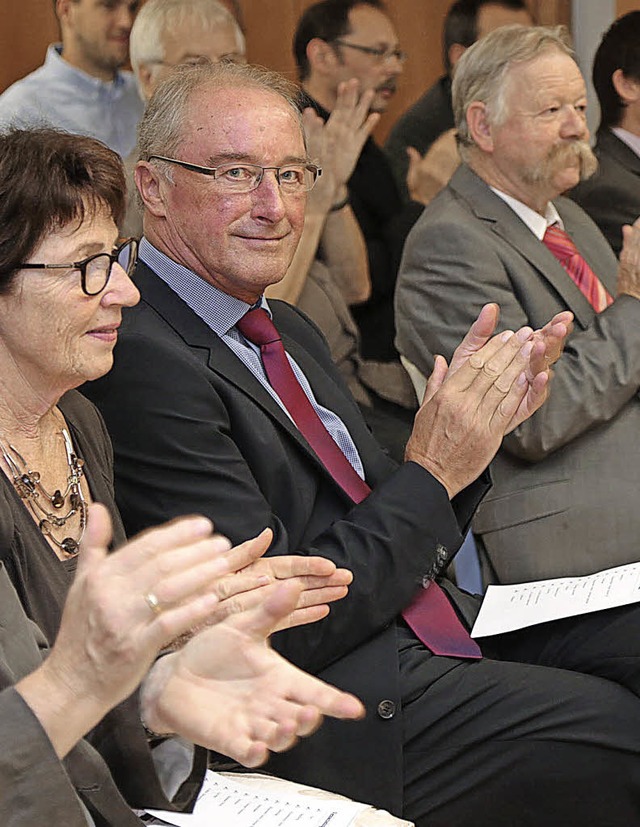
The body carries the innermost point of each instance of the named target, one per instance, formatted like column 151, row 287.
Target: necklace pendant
column 23, row 491
column 29, row 487
column 27, row 483
column 69, row 546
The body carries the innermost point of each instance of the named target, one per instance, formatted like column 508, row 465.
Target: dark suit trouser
column 543, row 731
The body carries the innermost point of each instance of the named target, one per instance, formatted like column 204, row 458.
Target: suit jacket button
column 386, row 709
column 442, row 554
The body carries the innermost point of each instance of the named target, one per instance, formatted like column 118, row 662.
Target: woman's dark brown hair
column 49, row 179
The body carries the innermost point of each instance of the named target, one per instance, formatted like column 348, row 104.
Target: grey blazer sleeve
column 34, row 786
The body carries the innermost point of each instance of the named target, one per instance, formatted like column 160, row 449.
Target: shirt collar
column 217, row 309
column 535, row 222
column 59, row 66
column 629, row 138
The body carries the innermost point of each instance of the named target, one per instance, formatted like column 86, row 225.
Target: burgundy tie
column 563, row 248
column 431, row 615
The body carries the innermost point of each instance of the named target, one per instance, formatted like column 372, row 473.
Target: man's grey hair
column 156, row 17
column 482, row 72
column 166, row 117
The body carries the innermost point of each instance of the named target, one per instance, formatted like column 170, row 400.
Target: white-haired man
column 564, row 496
column 170, row 33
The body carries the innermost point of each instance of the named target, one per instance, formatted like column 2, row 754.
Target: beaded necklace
column 29, row 488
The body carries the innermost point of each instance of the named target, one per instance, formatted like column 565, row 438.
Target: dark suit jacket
column 564, row 499
column 612, row 195
column 419, row 126
column 194, row 431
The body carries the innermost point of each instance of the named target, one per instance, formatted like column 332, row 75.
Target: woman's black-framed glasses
column 95, row 271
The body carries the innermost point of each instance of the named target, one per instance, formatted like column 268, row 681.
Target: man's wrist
column 430, row 467
column 340, row 205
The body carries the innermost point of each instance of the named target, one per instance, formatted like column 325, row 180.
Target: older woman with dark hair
column 64, row 279
column 63, row 284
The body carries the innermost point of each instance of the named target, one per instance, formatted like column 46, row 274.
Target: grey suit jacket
column 35, row 787
column 566, row 482
column 612, row 196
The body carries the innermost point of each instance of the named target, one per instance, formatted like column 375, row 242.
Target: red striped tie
column 431, row 615
column 563, row 248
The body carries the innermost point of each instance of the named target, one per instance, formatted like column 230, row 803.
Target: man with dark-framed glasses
column 336, row 40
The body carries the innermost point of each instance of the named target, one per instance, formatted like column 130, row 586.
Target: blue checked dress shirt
column 220, row 312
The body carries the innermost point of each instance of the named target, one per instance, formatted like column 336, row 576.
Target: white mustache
column 578, row 150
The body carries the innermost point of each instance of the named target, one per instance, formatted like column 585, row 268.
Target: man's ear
column 628, row 88
column 62, row 10
column 456, row 50
column 144, row 77
column 479, row 126
column 321, row 56
column 149, row 184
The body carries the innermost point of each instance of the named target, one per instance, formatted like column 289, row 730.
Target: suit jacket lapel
column 489, row 207
column 610, row 144
column 220, row 358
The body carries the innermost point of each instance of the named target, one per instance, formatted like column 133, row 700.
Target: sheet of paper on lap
column 250, row 799
column 507, row 608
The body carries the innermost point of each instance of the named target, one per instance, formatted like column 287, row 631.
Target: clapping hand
column 493, row 384
column 337, row 144
column 229, row 691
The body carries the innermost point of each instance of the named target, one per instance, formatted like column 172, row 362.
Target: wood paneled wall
column 27, row 26
column 624, row 6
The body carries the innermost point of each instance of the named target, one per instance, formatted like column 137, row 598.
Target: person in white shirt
column 81, row 87
column 564, row 495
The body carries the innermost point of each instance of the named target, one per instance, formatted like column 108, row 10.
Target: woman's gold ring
column 153, row 603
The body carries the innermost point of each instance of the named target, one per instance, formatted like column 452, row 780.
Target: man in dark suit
column 198, row 425
column 565, row 482
column 432, row 114
column 612, row 195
